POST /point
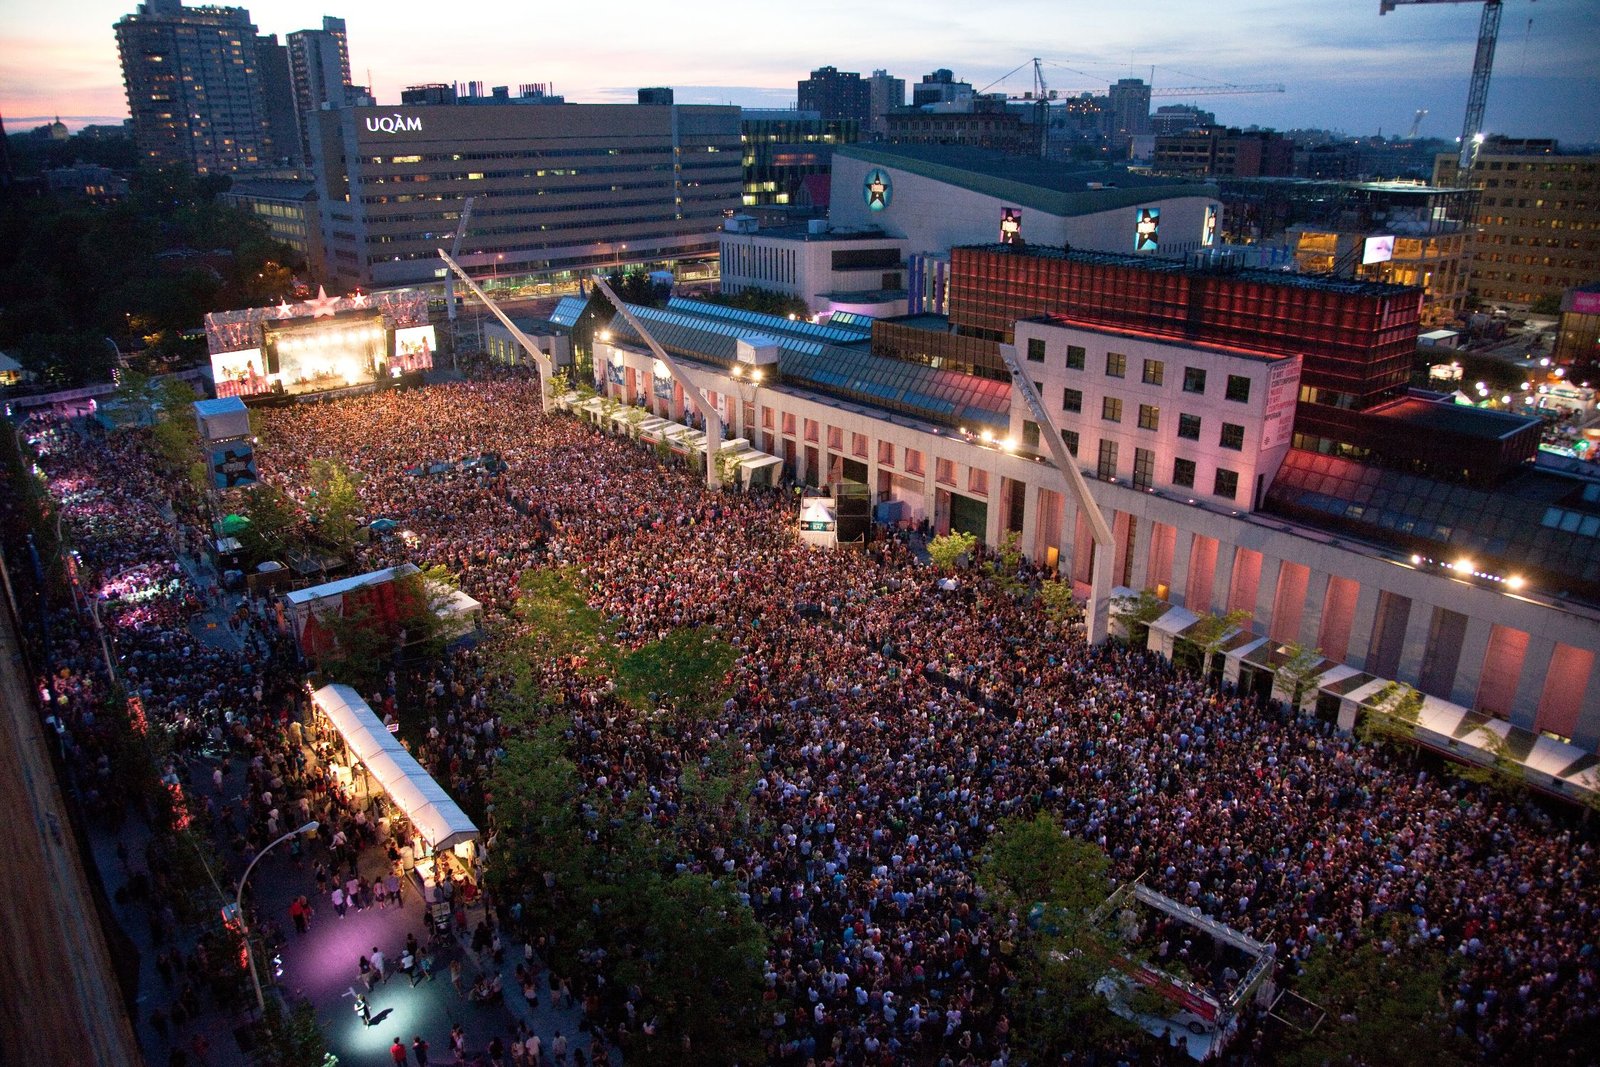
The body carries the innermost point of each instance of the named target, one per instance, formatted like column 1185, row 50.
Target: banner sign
column 233, row 465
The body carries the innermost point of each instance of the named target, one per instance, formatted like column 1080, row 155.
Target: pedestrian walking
column 408, row 964
column 458, row 1043
column 338, row 900
column 419, row 1049
column 377, row 964
column 425, row 965
column 455, row 977
column 397, row 1051
column 365, row 967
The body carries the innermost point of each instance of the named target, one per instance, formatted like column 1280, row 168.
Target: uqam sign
column 396, row 123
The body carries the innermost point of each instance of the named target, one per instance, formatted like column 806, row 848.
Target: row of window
column 1224, row 484
column 1154, row 371
column 1232, row 435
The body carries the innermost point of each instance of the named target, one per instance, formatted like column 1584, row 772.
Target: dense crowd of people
column 886, row 731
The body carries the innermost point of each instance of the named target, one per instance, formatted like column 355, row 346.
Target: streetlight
column 238, row 903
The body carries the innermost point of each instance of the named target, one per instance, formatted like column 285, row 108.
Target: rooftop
column 800, row 231
column 1461, row 420
column 1316, row 282
column 1054, row 188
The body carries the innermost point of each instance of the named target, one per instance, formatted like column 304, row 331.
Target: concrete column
column 1267, row 593
column 1182, row 549
column 1030, row 517
column 1361, row 623
column 1221, row 579
column 1140, row 571
column 1098, row 610
column 1418, row 625
column 1311, row 613
column 1586, row 734
column 992, row 526
column 1530, row 686
column 1469, row 667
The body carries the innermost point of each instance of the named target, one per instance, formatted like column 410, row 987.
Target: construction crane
column 449, row 278
column 1416, row 122
column 1041, row 94
column 1193, row 90
column 1482, row 66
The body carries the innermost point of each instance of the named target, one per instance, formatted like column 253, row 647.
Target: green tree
column 1033, row 869
column 275, row 522
column 334, row 503
column 1383, row 1003
column 293, row 1038
column 1137, row 612
column 1211, row 630
column 762, row 301
column 536, row 788
column 1391, row 716
column 637, row 287
column 1059, row 602
column 699, row 965
column 685, row 669
column 947, row 549
column 1297, row 673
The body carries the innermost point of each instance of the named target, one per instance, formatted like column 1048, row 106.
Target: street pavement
column 321, row 966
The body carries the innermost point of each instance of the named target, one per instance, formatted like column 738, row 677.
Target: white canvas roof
column 344, row 585
column 439, row 819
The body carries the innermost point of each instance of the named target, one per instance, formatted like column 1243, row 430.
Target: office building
column 319, row 62
column 1170, row 119
column 941, row 87
column 837, row 96
column 1401, row 232
column 1538, row 231
column 562, row 189
column 194, row 86
column 1224, row 152
column 861, row 271
column 1578, row 334
column 884, row 94
column 659, row 95
column 288, row 207
column 1129, row 104
column 784, row 148
column 987, row 125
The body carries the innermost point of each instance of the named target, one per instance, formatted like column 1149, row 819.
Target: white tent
column 438, row 819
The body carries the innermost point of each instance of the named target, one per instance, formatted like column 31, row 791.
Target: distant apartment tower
column 659, row 96
column 885, row 93
column 1170, row 119
column 1538, row 220
column 1225, row 152
column 194, row 86
column 319, row 65
column 940, row 87
column 1130, row 109
column 836, row 95
column 277, row 103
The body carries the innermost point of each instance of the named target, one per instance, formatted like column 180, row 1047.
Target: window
column 1144, row 468
column 811, row 430
column 1075, row 357
column 885, row 453
column 1238, row 388
column 1116, row 365
column 1030, row 434
column 1071, row 400
column 1111, row 409
column 836, row 438
column 1149, row 417
column 944, row 470
column 1108, row 460
column 788, row 423
column 1232, row 437
column 1070, row 439
column 914, row 462
column 1155, row 371
column 1227, row 483
column 1035, row 350
column 1189, row 426
column 858, row 445
column 1194, row 380
column 978, row 481
column 1183, row 473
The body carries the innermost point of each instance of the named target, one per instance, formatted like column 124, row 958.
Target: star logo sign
column 322, row 304
column 877, row 190
column 359, row 300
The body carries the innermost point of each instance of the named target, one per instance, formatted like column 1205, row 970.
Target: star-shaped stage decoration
column 284, row 311
column 322, row 304
column 359, row 299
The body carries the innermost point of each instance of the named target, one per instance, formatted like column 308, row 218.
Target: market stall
column 436, row 840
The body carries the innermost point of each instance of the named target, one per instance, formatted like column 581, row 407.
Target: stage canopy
column 438, row 819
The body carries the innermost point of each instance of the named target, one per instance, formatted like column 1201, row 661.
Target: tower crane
column 1041, row 93
column 449, row 279
column 1416, row 122
column 1482, row 66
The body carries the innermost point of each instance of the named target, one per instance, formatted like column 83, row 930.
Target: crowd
column 886, row 733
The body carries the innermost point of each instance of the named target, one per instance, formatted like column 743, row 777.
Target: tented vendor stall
column 442, row 845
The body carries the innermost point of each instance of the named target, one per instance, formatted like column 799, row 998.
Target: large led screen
column 413, row 349
column 1377, row 249
column 240, row 373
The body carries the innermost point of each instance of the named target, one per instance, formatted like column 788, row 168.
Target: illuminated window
column 1111, row 409
column 1107, row 469
column 1149, row 417
column 1144, row 467
column 1154, row 371
column 1116, row 365
column 1194, row 380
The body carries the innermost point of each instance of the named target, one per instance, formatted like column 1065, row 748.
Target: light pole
column 244, row 925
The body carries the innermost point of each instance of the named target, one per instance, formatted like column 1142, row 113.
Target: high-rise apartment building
column 319, row 63
column 194, row 86
column 1538, row 231
column 837, row 95
column 885, row 93
column 283, row 143
column 1130, row 110
column 941, row 87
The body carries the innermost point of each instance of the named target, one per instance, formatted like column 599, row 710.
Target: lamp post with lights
column 244, row 925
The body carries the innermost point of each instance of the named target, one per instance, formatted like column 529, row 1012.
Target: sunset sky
column 1345, row 68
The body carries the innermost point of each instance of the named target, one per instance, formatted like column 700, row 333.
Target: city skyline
column 1344, row 69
